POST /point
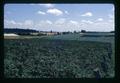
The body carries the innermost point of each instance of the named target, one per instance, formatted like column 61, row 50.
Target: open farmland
column 49, row 40
column 104, row 37
column 57, row 58
column 99, row 37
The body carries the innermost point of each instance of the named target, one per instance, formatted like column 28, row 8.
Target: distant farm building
column 53, row 33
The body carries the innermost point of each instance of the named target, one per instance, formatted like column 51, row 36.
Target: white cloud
column 49, row 22
column 87, row 21
column 103, row 26
column 44, row 25
column 67, row 26
column 110, row 20
column 111, row 16
column 28, row 22
column 60, row 21
column 10, row 22
column 55, row 11
column 66, row 12
column 40, row 12
column 19, row 23
column 47, row 5
column 87, row 14
column 74, row 22
column 62, row 24
column 100, row 19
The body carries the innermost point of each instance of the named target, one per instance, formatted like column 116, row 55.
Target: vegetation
column 46, row 58
column 99, row 37
column 83, row 31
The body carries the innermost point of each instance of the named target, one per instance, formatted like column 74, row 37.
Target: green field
column 61, row 56
column 80, row 38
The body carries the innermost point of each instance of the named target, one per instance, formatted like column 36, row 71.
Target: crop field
column 57, row 58
column 83, row 37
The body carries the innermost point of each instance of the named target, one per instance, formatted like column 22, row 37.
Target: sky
column 60, row 17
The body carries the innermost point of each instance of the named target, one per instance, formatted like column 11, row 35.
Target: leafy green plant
column 46, row 58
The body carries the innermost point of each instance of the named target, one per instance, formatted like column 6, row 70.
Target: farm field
column 22, row 37
column 104, row 37
column 62, row 56
column 83, row 37
column 49, row 40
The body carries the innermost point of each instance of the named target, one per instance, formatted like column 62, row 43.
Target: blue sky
column 60, row 17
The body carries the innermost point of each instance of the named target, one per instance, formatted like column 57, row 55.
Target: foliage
column 83, row 31
column 45, row 58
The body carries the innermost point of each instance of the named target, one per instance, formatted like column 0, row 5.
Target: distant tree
column 75, row 32
column 83, row 31
column 65, row 32
column 51, row 31
column 58, row 33
column 68, row 32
